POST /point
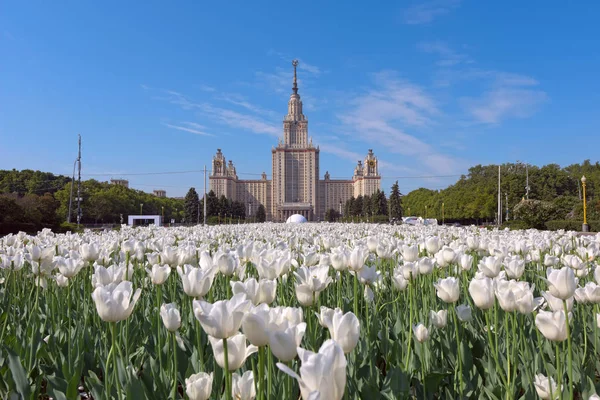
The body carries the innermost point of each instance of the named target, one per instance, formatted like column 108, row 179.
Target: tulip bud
column 466, row 262
column 482, row 292
column 463, row 312
column 421, row 333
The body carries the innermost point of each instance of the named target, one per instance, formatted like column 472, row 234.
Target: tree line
column 32, row 200
column 473, row 199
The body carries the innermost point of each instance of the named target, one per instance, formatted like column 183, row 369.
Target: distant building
column 160, row 193
column 120, row 182
column 296, row 186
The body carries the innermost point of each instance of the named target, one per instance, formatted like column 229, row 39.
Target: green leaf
column 19, row 375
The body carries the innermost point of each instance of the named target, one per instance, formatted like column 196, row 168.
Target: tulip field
column 289, row 311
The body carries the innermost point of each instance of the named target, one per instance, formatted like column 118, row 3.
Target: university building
column 296, row 186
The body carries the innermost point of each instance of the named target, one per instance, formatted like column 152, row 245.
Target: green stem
column 558, row 370
column 113, row 329
column 227, row 373
column 410, row 329
column 269, row 381
column 494, row 354
column 356, row 293
column 570, row 353
column 508, row 371
column 158, row 325
column 458, row 357
column 261, row 372
column 174, row 393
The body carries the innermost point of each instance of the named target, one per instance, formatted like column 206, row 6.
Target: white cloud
column 508, row 96
column 448, row 56
column 505, row 102
column 240, row 120
column 380, row 117
column 190, row 127
column 426, row 12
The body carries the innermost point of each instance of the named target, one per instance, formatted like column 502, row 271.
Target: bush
column 534, row 212
column 67, row 227
column 571, row 225
column 516, row 225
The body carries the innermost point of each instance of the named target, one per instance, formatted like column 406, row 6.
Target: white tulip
column 552, row 325
column 439, row 319
column 223, row 318
column 243, row 386
column 466, row 262
column 490, row 266
column 115, row 302
column 237, row 351
column 170, row 317
column 159, row 274
column 544, row 386
column 322, row 374
column 196, row 282
column 284, row 343
column 561, row 282
column 482, row 292
column 448, row 289
column 463, row 312
column 199, row 386
column 421, row 333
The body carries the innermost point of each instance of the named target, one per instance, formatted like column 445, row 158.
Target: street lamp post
column 141, row 208
column 163, row 213
column 585, row 227
column 425, row 212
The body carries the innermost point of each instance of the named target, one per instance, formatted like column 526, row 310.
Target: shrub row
column 571, row 225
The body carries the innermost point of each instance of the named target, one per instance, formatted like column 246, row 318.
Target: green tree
column 366, row 206
column 357, row 206
column 261, row 214
column 535, row 213
column 332, row 215
column 395, row 203
column 212, row 204
column 190, row 211
column 224, row 206
column 349, row 207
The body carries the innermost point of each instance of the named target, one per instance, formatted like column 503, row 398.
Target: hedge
column 571, row 225
column 516, row 224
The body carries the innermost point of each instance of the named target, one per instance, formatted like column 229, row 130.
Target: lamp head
column 583, row 179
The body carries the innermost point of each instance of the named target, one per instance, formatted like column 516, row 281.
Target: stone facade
column 295, row 187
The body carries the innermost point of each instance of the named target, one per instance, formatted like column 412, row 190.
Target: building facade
column 295, row 187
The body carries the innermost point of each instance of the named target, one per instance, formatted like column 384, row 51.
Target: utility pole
column 499, row 218
column 79, row 184
column 204, row 194
column 527, row 181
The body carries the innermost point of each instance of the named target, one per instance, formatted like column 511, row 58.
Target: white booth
column 142, row 220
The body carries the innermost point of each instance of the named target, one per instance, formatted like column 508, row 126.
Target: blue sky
column 432, row 87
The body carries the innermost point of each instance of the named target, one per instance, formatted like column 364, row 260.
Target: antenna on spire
column 295, row 88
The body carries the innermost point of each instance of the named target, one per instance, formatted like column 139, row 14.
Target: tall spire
column 295, row 87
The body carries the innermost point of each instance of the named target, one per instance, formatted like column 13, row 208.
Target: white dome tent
column 296, row 219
